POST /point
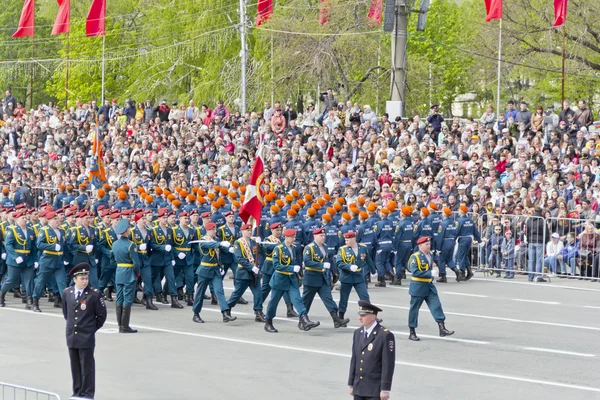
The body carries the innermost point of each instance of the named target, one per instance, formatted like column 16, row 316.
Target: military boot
column 125, row 328
column 149, row 304
column 57, row 302
column 36, row 305
column 2, row 300
column 227, row 316
column 381, row 282
column 413, row 335
column 305, row 324
column 337, row 321
column 197, row 318
column 242, row 301
column 175, row 303
column 119, row 312
column 189, row 299
column 442, row 279
column 443, row 330
column 290, row 311
column 29, row 304
column 213, row 300
column 259, row 316
column 269, row 326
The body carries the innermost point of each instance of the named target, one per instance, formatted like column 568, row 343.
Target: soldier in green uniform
column 109, row 266
column 211, row 271
column 285, row 280
column 316, row 280
column 141, row 236
column 199, row 231
column 182, row 236
column 20, row 250
column 128, row 268
column 422, row 289
column 82, row 241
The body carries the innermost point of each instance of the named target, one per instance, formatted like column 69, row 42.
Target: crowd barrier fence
column 17, row 392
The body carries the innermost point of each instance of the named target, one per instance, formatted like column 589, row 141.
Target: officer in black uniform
column 85, row 313
column 373, row 357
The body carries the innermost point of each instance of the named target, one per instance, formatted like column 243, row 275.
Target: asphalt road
column 513, row 339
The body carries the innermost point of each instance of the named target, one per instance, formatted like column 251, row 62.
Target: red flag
column 324, row 11
column 253, row 201
column 560, row 12
column 97, row 175
column 375, row 11
column 62, row 23
column 493, row 9
column 27, row 21
column 264, row 11
column 96, row 19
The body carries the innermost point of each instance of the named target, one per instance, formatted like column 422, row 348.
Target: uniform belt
column 183, row 248
column 269, row 258
column 240, row 266
column 414, row 278
column 125, row 265
column 142, row 251
column 450, row 239
column 22, row 251
column 314, row 269
column 385, row 242
column 284, row 272
column 54, row 253
column 205, row 264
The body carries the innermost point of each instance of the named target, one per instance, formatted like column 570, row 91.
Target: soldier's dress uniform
column 373, row 358
column 128, row 267
column 184, row 265
column 465, row 232
column 161, row 259
column 246, row 277
column 20, row 258
column 85, row 315
column 108, row 264
column 51, row 244
column 142, row 242
column 346, row 258
column 79, row 239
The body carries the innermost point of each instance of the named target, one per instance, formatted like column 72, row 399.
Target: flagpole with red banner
column 560, row 17
column 493, row 10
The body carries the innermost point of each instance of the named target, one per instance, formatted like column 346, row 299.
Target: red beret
column 318, row 231
column 163, row 212
column 116, row 215
column 228, row 213
column 126, row 212
column 18, row 214
column 44, row 205
column 22, row 205
column 349, row 235
column 104, row 212
column 289, row 232
column 193, row 212
column 59, row 211
column 423, row 239
column 50, row 214
column 246, row 226
column 275, row 225
column 206, row 214
column 184, row 214
column 210, row 225
column 100, row 207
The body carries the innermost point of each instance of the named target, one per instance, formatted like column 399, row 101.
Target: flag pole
column 31, row 74
column 67, row 73
column 563, row 67
column 103, row 64
column 499, row 67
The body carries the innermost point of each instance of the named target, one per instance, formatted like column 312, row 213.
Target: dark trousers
column 83, row 371
column 365, row 398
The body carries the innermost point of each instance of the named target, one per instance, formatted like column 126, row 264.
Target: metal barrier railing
column 10, row 391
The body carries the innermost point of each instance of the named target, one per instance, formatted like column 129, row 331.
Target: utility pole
column 243, row 52
column 399, row 37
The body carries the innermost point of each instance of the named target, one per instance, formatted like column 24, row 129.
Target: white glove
column 256, row 239
column 19, row 260
column 296, row 268
column 181, row 256
column 255, row 270
column 66, row 262
column 172, row 262
column 89, row 248
column 231, row 250
column 57, row 247
column 95, row 259
column 353, row 267
column 434, row 273
column 143, row 246
column 326, row 265
column 4, row 256
column 222, row 272
column 517, row 248
column 225, row 243
column 168, row 248
column 36, row 265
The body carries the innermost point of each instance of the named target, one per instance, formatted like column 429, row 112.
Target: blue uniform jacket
column 421, row 282
column 105, row 244
column 346, row 257
column 266, row 249
column 128, row 264
column 159, row 239
column 384, row 234
column 209, row 262
column 225, row 233
column 315, row 274
column 47, row 240
column 182, row 244
column 19, row 243
column 283, row 263
column 79, row 238
column 138, row 239
column 466, row 227
column 446, row 232
column 244, row 266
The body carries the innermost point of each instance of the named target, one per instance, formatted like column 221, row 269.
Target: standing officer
column 315, row 280
column 85, row 313
column 82, row 241
column 128, row 268
column 446, row 240
column 422, row 289
column 373, row 357
column 285, row 280
column 19, row 244
column 352, row 260
column 465, row 233
column 384, row 237
column 403, row 243
column 435, row 219
column 247, row 273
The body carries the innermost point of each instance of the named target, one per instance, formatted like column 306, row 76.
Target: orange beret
column 176, row 203
column 464, row 209
column 372, row 207
column 171, row 197
column 289, row 198
column 346, row 216
column 316, row 206
column 296, row 207
column 312, row 211
column 201, row 192
column 301, row 202
column 149, row 199
column 194, row 189
column 364, row 215
column 407, row 210
column 433, row 206
column 327, row 197
column 292, row 212
column 224, row 192
column 447, row 211
column 122, row 195
column 215, row 204
column 191, row 197
column 341, row 200
column 425, row 211
column 326, row 217
column 217, row 188
column 166, row 192
column 275, row 209
column 295, row 193
column 361, row 201
column 385, row 211
column 321, row 202
column 211, row 196
column 236, row 204
column 242, row 199
column 183, row 193
column 392, row 205
column 106, row 186
column 202, row 200
column 337, row 206
column 308, row 197
column 331, row 211
column 141, row 189
column 101, row 192
column 126, row 188
column 243, row 189
column 178, row 189
column 279, row 203
column 232, row 195
column 61, row 186
column 235, row 184
column 221, row 201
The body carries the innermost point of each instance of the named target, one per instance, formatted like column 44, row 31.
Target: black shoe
column 29, row 303
column 50, row 297
column 442, row 279
column 144, row 300
column 469, row 274
column 306, row 324
column 17, row 293
column 541, row 280
column 339, row 322
column 164, row 298
column 24, row 299
column 269, row 326
column 341, row 314
column 290, row 311
column 242, row 301
column 119, row 312
column 2, row 300
column 227, row 316
column 444, row 331
column 175, row 303
column 381, row 282
column 57, row 302
column 396, row 281
column 259, row 316
column 150, row 305
column 388, row 276
column 413, row 335
column 206, row 297
column 213, row 300
column 189, row 299
column 108, row 294
column 125, row 328
column 136, row 300
column 36, row 305
column 197, row 318
column 459, row 276
column 180, row 294
column 404, row 274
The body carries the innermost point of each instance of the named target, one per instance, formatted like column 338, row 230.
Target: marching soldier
column 383, row 231
column 140, row 236
column 373, row 357
column 85, row 313
column 228, row 232
column 465, row 233
column 422, row 289
column 211, row 271
column 284, row 280
column 182, row 236
column 20, row 250
column 82, row 241
column 352, row 260
column 247, row 273
column 315, row 278
column 108, row 264
column 128, row 268
column 446, row 241
column 403, row 243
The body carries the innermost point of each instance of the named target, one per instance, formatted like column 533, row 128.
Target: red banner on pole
column 560, row 12
column 375, row 11
column 27, row 21
column 264, row 11
column 96, row 19
column 324, row 11
column 493, row 10
column 62, row 23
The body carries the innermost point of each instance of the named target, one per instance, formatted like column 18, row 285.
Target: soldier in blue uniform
column 266, row 249
column 20, row 248
column 294, row 223
column 141, row 237
column 423, row 227
column 58, row 200
column 182, row 236
column 332, row 244
column 383, row 232
column 217, row 217
column 211, row 271
column 373, row 357
column 465, row 233
column 247, row 273
column 128, row 268
column 82, row 199
column 422, row 289
column 309, row 226
column 435, row 219
column 285, row 280
column 315, row 279
column 107, row 262
column 70, row 197
column 446, row 240
column 352, row 260
column 85, row 313
column 82, row 242
column 403, row 243
column 51, row 243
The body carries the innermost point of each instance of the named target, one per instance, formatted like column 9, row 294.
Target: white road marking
column 330, row 353
column 537, row 301
column 539, row 285
column 594, row 307
column 570, row 353
column 465, row 294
